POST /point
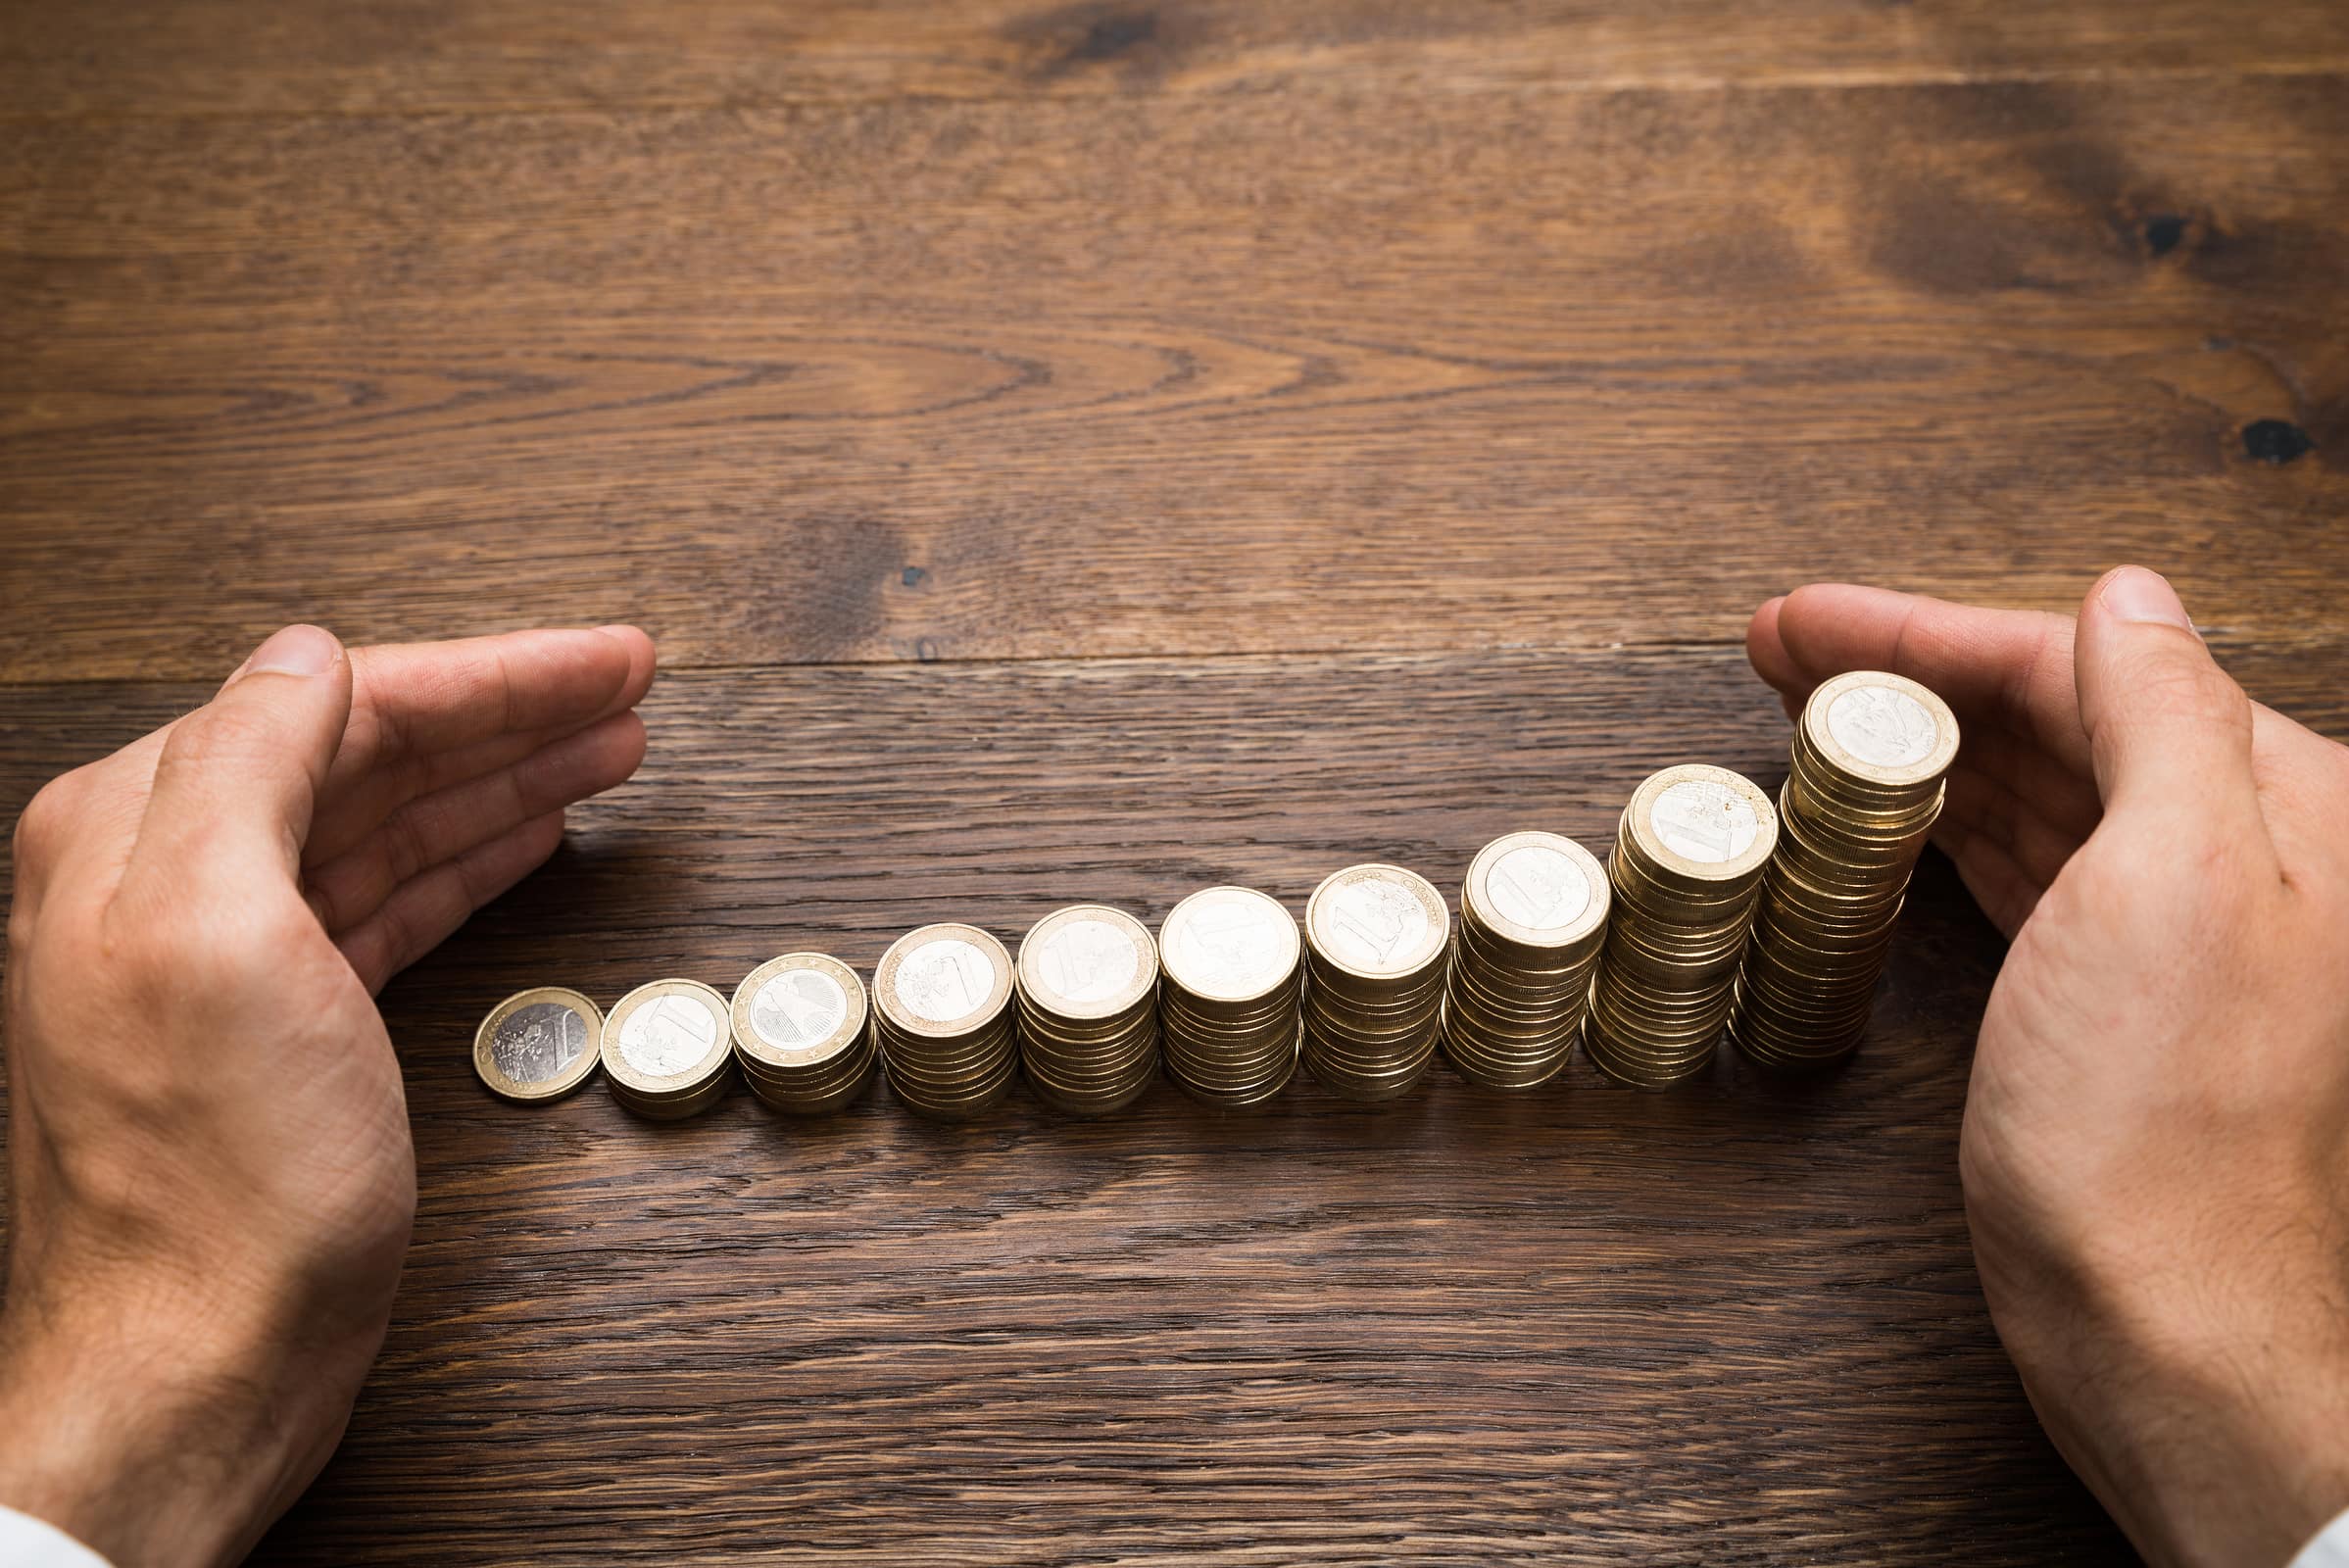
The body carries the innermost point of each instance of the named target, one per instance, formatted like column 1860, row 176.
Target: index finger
column 417, row 699
column 2012, row 667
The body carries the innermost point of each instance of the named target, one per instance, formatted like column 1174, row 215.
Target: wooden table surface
column 1091, row 451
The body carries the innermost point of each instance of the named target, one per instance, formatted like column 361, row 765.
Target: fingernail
column 295, row 651
column 2134, row 594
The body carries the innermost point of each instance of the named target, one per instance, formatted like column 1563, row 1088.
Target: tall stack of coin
column 801, row 1035
column 941, row 1012
column 1228, row 999
column 1376, row 941
column 538, row 1045
column 1533, row 917
column 1089, row 1009
column 666, row 1052
column 1687, row 865
column 1861, row 795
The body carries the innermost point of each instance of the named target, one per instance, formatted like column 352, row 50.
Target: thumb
column 2168, row 731
column 238, row 778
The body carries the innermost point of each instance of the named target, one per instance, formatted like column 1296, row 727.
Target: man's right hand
column 2156, row 1145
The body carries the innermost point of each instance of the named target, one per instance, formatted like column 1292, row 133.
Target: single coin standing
column 1863, row 791
column 1376, row 941
column 1088, row 1008
column 1230, row 961
column 1532, row 919
column 1690, row 852
column 801, row 1035
column 538, row 1045
column 942, row 1017
column 667, row 1050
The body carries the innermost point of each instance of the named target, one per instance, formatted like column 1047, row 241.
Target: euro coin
column 1377, row 940
column 1230, row 994
column 943, row 1020
column 801, row 1034
column 1533, row 918
column 667, row 1050
column 1864, row 788
column 1691, row 851
column 1088, row 985
column 538, row 1045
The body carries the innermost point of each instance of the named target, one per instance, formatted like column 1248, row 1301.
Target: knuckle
column 45, row 823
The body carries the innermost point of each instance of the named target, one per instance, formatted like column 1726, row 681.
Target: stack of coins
column 1228, row 1000
column 1863, row 792
column 942, row 1012
column 799, row 1033
column 666, row 1050
column 1533, row 917
column 1089, row 1009
column 1376, row 941
column 538, row 1045
column 1687, row 865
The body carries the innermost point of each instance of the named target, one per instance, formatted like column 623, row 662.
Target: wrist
column 2207, row 1414
column 148, row 1447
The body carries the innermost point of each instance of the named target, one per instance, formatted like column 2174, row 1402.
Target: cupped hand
column 211, row 1179
column 2156, row 1142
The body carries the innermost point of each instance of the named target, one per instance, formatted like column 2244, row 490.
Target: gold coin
column 794, row 1014
column 538, row 1045
column 1087, row 961
column 667, row 1042
column 942, row 982
column 1227, row 945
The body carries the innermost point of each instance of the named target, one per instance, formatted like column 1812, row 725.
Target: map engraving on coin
column 1705, row 821
column 1371, row 923
column 943, row 980
column 667, row 1035
column 1538, row 888
column 1088, row 961
column 533, row 1043
column 799, row 1008
column 1883, row 727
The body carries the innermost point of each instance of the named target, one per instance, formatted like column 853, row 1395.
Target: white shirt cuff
column 2330, row 1548
column 28, row 1543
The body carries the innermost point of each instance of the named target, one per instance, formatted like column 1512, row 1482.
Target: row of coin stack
column 1715, row 908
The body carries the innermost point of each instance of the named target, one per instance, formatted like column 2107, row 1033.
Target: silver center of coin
column 667, row 1035
column 1372, row 924
column 1088, row 961
column 534, row 1043
column 1883, row 727
column 1232, row 945
column 1536, row 887
column 799, row 1008
column 1700, row 821
column 943, row 980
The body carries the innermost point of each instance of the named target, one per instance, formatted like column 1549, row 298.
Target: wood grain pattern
column 412, row 56
column 1175, row 374
column 1737, row 1324
column 1093, row 449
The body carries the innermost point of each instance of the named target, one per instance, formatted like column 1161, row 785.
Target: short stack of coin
column 1376, row 938
column 666, row 1051
column 1865, row 788
column 943, row 1016
column 801, row 1036
column 1089, row 1009
column 1687, row 865
column 1533, row 917
column 1228, row 997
